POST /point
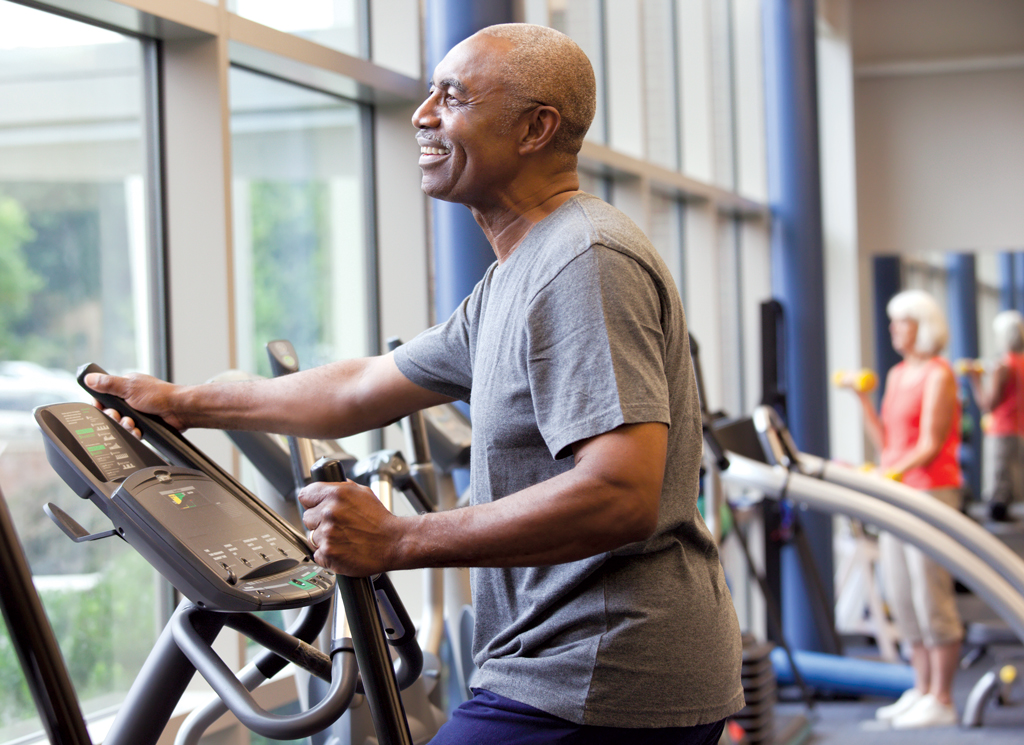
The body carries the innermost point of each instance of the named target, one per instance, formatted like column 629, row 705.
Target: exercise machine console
column 218, row 546
column 229, row 554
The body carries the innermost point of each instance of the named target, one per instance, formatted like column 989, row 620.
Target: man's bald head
column 544, row 66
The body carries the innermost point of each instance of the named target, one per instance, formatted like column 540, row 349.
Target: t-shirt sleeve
column 596, row 350
column 439, row 359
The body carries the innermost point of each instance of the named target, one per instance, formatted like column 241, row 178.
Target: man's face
column 466, row 153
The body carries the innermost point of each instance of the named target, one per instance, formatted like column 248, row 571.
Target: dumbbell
column 861, row 381
column 966, row 366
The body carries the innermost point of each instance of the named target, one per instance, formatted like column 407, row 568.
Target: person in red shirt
column 1003, row 400
column 918, row 435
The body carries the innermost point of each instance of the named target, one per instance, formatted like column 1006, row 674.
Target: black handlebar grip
column 283, row 360
column 327, row 469
column 143, row 421
column 400, row 631
column 177, row 449
column 717, row 451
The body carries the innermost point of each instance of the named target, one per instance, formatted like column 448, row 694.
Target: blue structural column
column 888, row 281
column 461, row 251
column 1018, row 281
column 798, row 276
column 963, row 342
column 1007, row 281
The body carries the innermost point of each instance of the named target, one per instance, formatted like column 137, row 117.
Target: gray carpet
column 852, row 722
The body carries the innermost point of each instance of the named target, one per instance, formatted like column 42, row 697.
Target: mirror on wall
column 972, row 288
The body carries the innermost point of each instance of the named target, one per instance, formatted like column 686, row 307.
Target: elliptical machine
column 384, row 472
column 439, row 440
column 229, row 555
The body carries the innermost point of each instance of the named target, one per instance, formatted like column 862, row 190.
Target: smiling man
column 601, row 606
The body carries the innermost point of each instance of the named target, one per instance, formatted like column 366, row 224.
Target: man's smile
column 432, row 153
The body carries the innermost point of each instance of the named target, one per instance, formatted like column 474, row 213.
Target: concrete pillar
column 798, row 275
column 963, row 342
column 461, row 252
column 1007, row 281
column 888, row 281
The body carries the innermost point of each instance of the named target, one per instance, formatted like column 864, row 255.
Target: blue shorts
column 488, row 719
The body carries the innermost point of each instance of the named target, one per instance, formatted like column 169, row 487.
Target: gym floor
column 852, row 722
column 849, row 722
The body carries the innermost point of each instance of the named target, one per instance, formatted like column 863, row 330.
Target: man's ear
column 541, row 124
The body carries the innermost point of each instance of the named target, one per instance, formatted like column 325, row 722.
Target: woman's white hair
column 1009, row 330
column 919, row 306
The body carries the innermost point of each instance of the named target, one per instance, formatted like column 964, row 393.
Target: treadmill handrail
column 955, row 524
column 32, row 636
column 776, row 482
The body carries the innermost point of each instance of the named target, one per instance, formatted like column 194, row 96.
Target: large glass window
column 667, row 234
column 723, row 90
column 583, row 20
column 661, row 78
column 75, row 264
column 302, row 265
column 338, row 24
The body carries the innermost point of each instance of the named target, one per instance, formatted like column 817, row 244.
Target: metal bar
column 47, row 676
column 374, row 661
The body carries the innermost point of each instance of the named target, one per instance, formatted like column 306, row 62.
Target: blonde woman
column 918, row 435
column 1003, row 400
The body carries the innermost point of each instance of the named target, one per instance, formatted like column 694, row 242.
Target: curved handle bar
column 266, row 665
column 270, row 460
column 397, row 624
column 177, row 449
column 281, row 645
column 714, row 445
column 306, row 628
column 414, row 427
column 400, row 631
column 234, row 694
column 284, row 361
column 148, row 424
column 356, row 594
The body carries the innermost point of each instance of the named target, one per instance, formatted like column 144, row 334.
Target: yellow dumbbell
column 861, row 381
column 1008, row 674
column 965, row 365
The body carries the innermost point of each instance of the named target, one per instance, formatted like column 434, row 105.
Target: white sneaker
column 927, row 712
column 902, row 705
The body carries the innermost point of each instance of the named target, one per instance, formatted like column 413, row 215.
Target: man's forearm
column 610, row 498
column 331, row 401
column 524, row 529
column 311, row 403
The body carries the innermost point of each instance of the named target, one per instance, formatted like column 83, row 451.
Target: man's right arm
column 334, row 400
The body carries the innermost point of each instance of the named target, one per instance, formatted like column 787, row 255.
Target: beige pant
column 920, row 593
column 1008, row 469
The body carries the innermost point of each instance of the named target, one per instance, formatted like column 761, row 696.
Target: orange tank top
column 901, row 420
column 1008, row 414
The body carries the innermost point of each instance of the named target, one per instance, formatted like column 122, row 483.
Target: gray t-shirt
column 580, row 331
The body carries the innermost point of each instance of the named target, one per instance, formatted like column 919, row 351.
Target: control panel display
column 234, row 542
column 213, row 541
column 113, row 452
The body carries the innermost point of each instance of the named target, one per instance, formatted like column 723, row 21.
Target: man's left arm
column 610, row 498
